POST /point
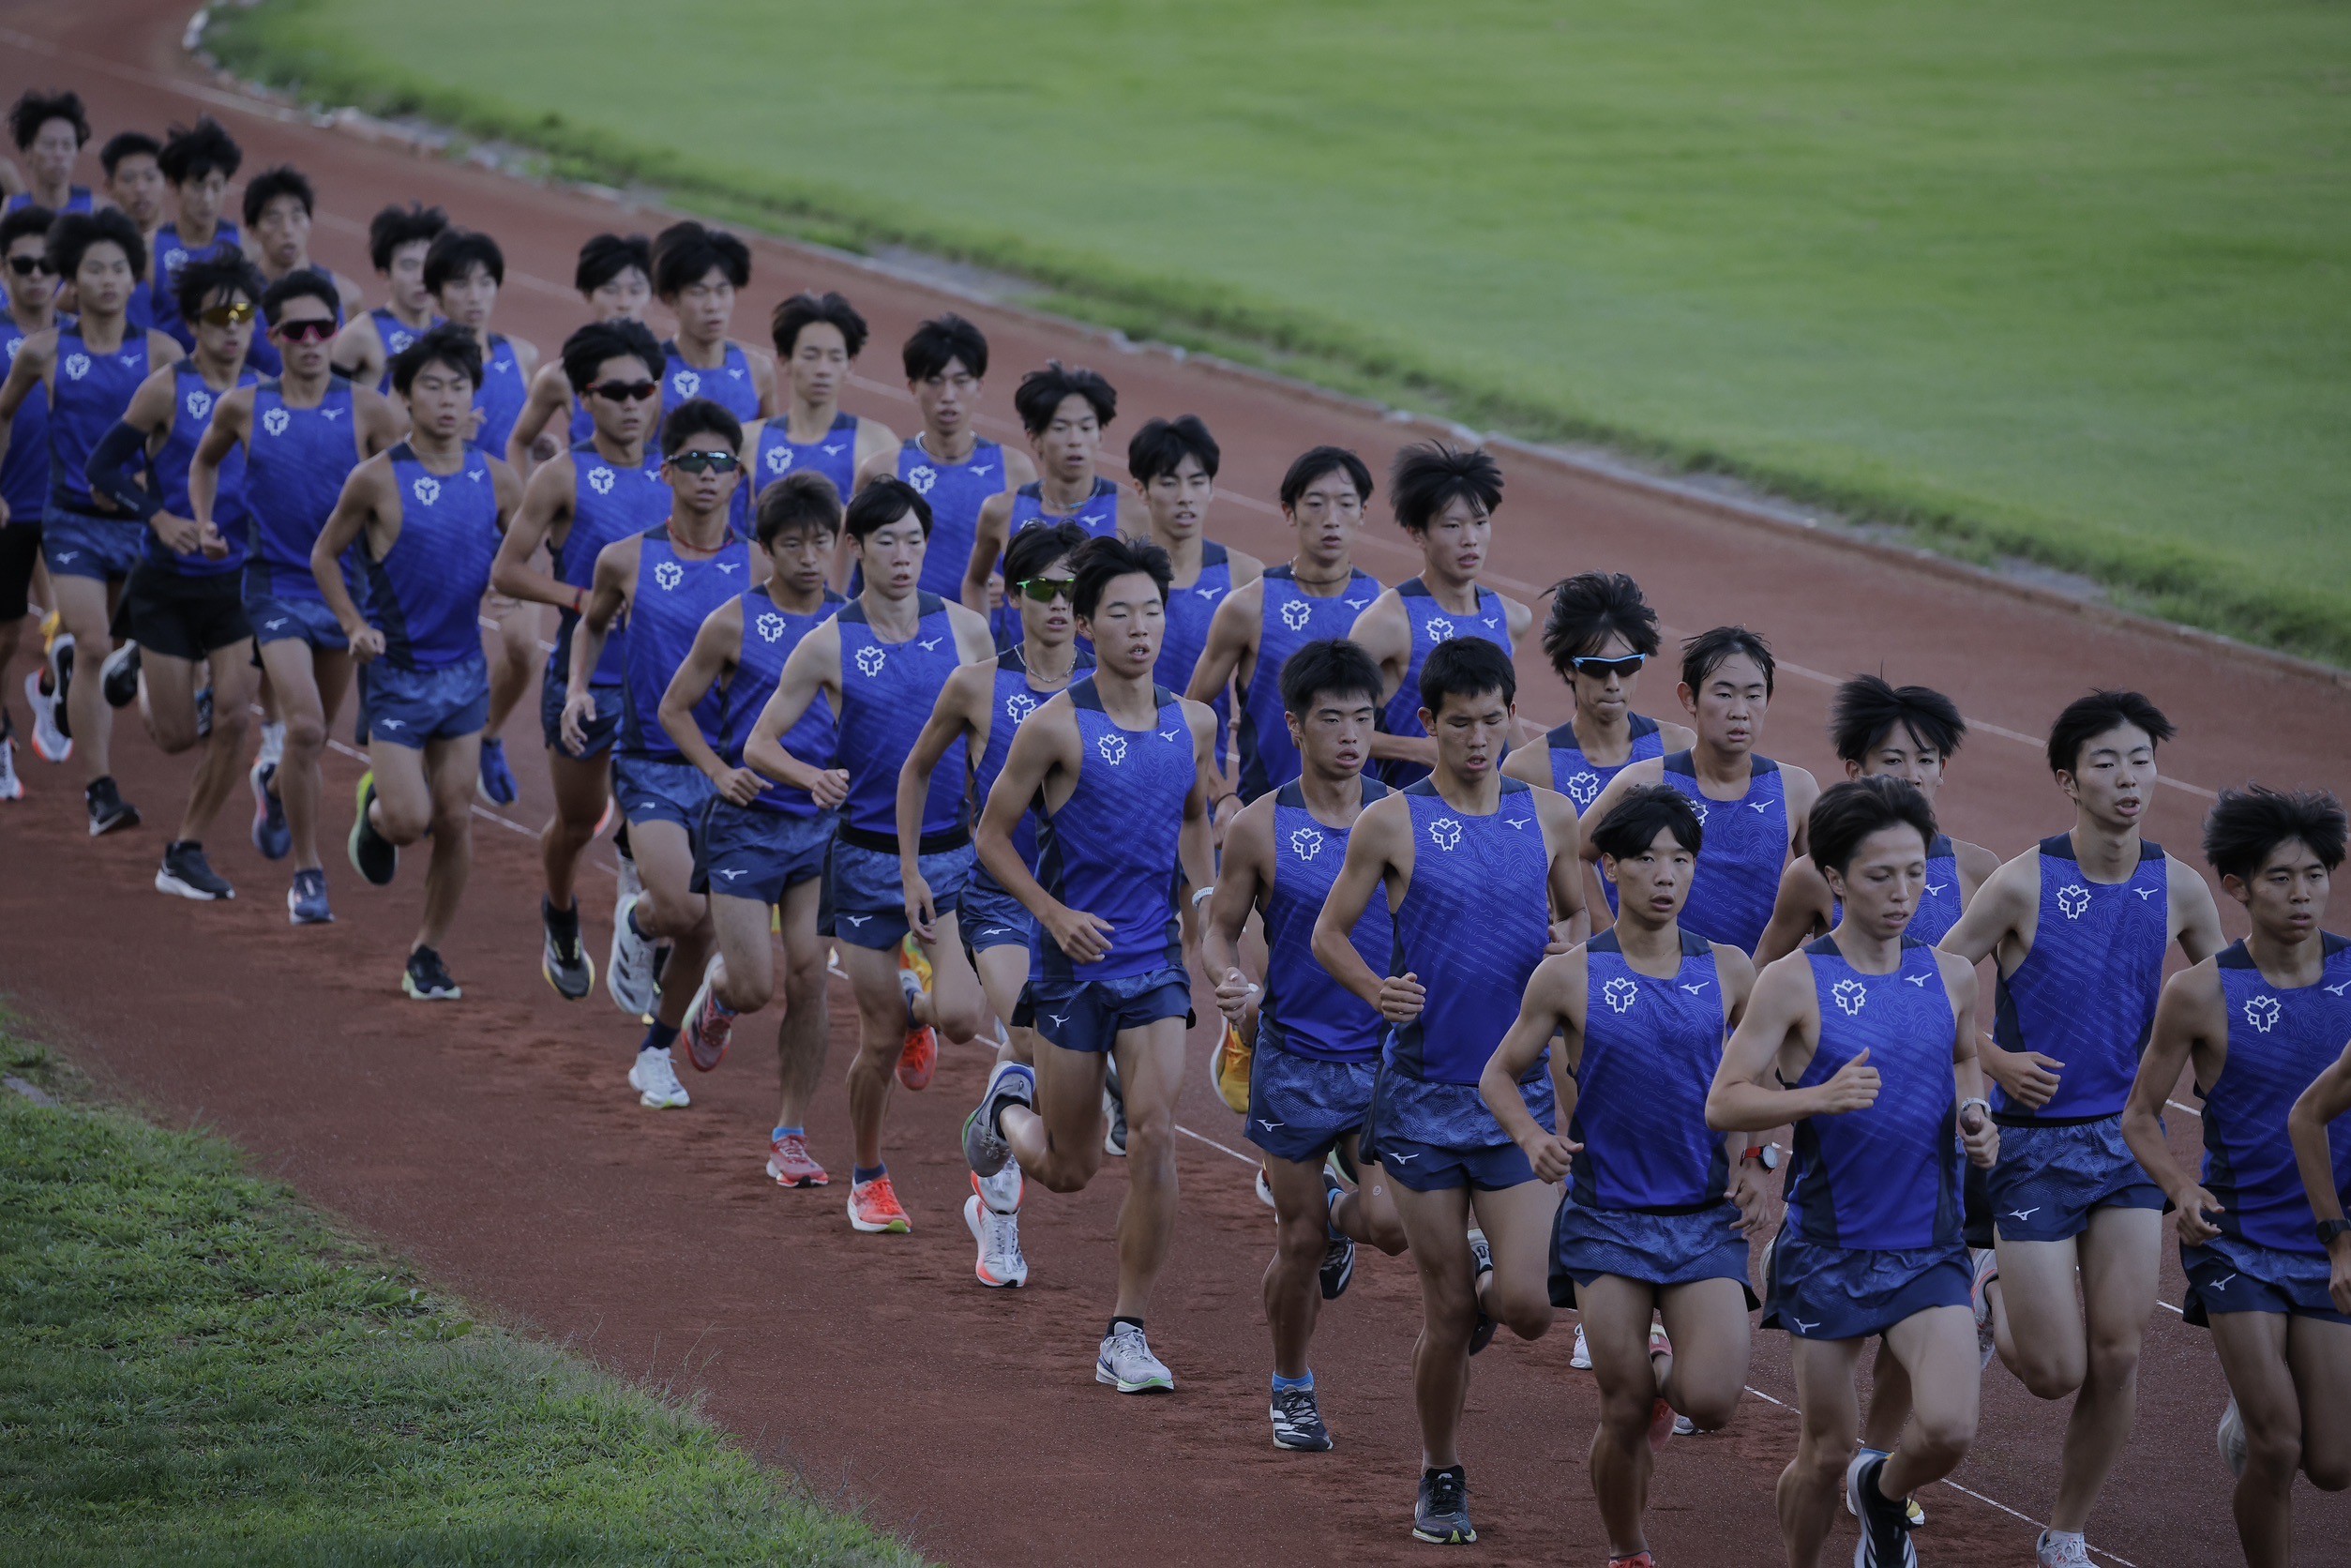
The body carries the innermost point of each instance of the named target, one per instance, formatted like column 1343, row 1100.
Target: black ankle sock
column 1116, row 1321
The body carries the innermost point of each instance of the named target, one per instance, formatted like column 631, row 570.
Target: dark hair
column 605, row 257
column 1329, row 666
column 2246, row 826
column 1037, row 547
column 801, row 498
column 585, row 351
column 808, row 309
column 15, row 225
column 1589, row 608
column 72, row 235
column 1313, row 463
column 224, row 269
column 191, row 153
column 698, row 416
column 270, row 184
column 1042, row 393
column 1466, row 667
column 1162, row 444
column 1706, row 653
column 941, row 341
column 881, row 504
column 1848, row 813
column 456, row 252
column 396, row 225
column 446, row 345
column 686, row 253
column 36, row 109
column 1430, row 476
column 2086, row 718
column 127, row 144
column 1101, row 561
column 301, row 284
column 1646, row 810
column 1867, row 710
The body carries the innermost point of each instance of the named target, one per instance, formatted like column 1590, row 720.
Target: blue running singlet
column 1737, row 877
column 1098, row 515
column 24, row 471
column 425, row 596
column 500, row 396
column 1012, row 702
column 731, row 385
column 833, row 455
column 956, row 492
column 1189, row 611
column 171, row 253
column 296, row 462
column 2279, row 1041
column 1112, row 849
column 888, row 690
column 1432, row 623
column 610, row 502
column 1291, row 618
column 770, row 633
column 192, row 405
column 78, row 199
column 1581, row 779
column 90, row 393
column 1307, row 1013
column 1651, row 1047
column 1939, row 902
column 675, row 594
column 396, row 336
column 1474, row 923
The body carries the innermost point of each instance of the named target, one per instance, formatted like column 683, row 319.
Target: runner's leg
column 582, row 792
column 1517, row 1224
column 1615, row 1313
column 1828, row 1418
column 2122, row 1255
column 452, row 762
column 1059, row 1142
column 1437, row 1225
column 1937, row 1348
column 221, row 768
column 801, row 1042
column 1293, row 1293
column 2252, row 1352
column 293, row 671
column 83, row 604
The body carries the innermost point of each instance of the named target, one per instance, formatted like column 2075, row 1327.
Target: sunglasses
column 1602, row 667
column 309, row 330
column 27, row 267
column 1045, row 590
column 625, row 391
column 228, row 315
column 706, row 462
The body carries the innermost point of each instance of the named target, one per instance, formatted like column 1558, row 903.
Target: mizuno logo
column 330, row 414
column 274, row 624
column 857, row 919
column 1758, row 806
column 2338, row 990
column 1355, row 604
column 1388, row 1158
column 2222, row 1283
column 982, row 470
column 1803, row 1326
column 727, row 566
column 1092, row 519
column 1696, row 989
column 837, row 450
column 391, row 724
column 1057, row 1019
column 1519, row 822
column 69, row 555
column 2147, row 892
column 729, row 874
column 1935, row 890
column 1919, row 980
column 1206, row 593
column 931, row 644
column 2024, row 1213
column 1170, row 734
column 1268, row 1126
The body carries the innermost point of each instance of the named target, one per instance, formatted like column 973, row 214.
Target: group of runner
column 1018, row 748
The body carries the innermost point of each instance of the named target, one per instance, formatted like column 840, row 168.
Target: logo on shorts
column 1112, row 748
column 922, row 476
column 2072, row 900
column 669, row 574
column 688, row 382
column 426, row 488
column 1583, row 788
column 778, row 458
column 1851, row 997
column 198, row 403
column 730, row 873
column 1295, row 614
column 1620, row 994
column 1057, row 1019
column 1017, row 706
column 1444, row 833
column 870, row 660
column 275, row 421
column 2262, row 1012
column 1440, row 629
column 771, row 627
column 1305, row 843
column 77, row 366
column 600, row 479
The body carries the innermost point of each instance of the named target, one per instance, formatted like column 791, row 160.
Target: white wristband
column 1201, row 894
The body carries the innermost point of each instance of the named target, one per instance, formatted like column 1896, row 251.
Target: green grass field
column 2064, row 280
column 196, row 1369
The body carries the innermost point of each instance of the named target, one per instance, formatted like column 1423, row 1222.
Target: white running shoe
column 1581, row 1360
column 50, row 743
column 1003, row 1191
column 11, row 786
column 629, row 976
column 2055, row 1552
column 656, row 1080
column 1001, row 1265
column 1265, row 1188
column 1127, row 1364
column 2231, row 1437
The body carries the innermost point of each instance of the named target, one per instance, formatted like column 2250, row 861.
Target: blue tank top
column 1307, row 1012
column 770, row 633
column 192, row 403
column 2278, row 1042
column 1737, row 877
column 2086, row 992
column 24, row 471
column 1581, row 779
column 956, row 492
column 1111, row 849
column 833, row 455
column 396, row 337
column 90, row 394
column 1939, row 901
column 77, row 200
column 425, row 596
column 1290, row 619
column 731, row 385
column 172, row 253
column 675, row 594
column 1189, row 611
column 1012, row 702
column 1474, row 923
column 608, row 502
column 296, row 462
column 1651, row 1047
column 583, row 426
column 888, row 690
column 1885, row 1179
column 1432, row 623
column 262, row 357
column 500, row 396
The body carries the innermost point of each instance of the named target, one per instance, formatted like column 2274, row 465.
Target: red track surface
column 495, row 1140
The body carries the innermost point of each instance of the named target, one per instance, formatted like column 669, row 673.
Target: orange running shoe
column 919, row 1058
column 1230, row 1070
column 874, row 1208
column 790, row 1165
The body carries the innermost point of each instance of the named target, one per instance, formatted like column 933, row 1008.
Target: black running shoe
column 372, row 855
column 118, row 677
column 1297, row 1424
column 562, row 959
column 1338, row 1258
column 60, row 678
column 1483, row 1254
column 1884, row 1521
column 185, row 873
column 427, row 978
column 108, row 809
column 1443, row 1514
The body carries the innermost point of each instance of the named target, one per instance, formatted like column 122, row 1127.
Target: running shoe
column 11, row 786
column 918, row 1058
column 1442, row 1514
column 118, row 677
column 376, row 858
column 305, row 901
column 1482, row 1254
column 1685, row 1427
column 1298, row 1422
column 1581, row 1360
column 1987, row 1269
column 1885, row 1523
column 271, row 836
column 874, row 1208
column 1125, row 1363
column 1338, row 1257
column 186, row 874
column 1229, row 1069
column 428, row 979
column 985, row 1150
column 1113, row 1111
column 1003, row 1191
column 628, row 973
column 2231, row 1437
column 790, row 1165
column 50, row 743
column 563, row 957
column 1910, row 1508
column 1638, row 1560
column 1661, row 1420
column 1000, row 1266
column 203, row 712
column 109, row 811
column 709, row 1023
column 496, row 783
column 656, row 1080
column 1264, row 1188
column 2052, row 1551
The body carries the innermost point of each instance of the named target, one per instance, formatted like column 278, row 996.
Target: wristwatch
column 2330, row 1228
column 1764, row 1154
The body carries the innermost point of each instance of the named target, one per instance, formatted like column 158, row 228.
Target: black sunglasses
column 1045, row 590
column 706, row 462
column 625, row 391
column 309, row 330
column 27, row 267
column 1600, row 669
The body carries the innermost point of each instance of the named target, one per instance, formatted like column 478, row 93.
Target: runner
column 615, row 276
column 880, row 663
column 425, row 516
column 1658, row 1208
column 609, row 488
column 1444, row 498
column 1119, row 767
column 89, row 372
column 2079, row 924
column 301, row 436
column 1727, row 677
column 49, row 129
column 1866, row 1039
column 697, row 273
column 198, row 164
column 2264, row 1022
column 1064, row 412
column 1314, row 596
column 665, row 581
column 278, row 208
column 818, row 337
column 134, row 187
column 1173, row 464
column 761, row 846
column 399, row 238
column 1477, row 900
column 32, row 294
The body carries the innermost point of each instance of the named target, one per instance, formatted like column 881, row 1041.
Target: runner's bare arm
column 2191, row 1024
column 710, row 660
column 1376, row 848
column 1385, row 633
column 994, row 526
column 1553, row 1004
column 608, row 590
column 1997, row 924
column 2195, row 919
column 1977, row 1133
column 962, row 710
column 1571, row 921
column 550, row 399
column 382, row 422
column 365, row 504
column 812, row 672
column 547, row 499
column 1232, row 636
column 1043, row 750
column 359, row 351
column 1779, row 1033
column 232, row 423
column 1803, row 790
column 1241, row 879
column 1799, row 914
column 2327, row 1099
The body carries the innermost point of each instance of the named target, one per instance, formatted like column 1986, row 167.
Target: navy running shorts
column 2229, row 1273
column 992, row 918
column 277, row 620
column 1302, row 1106
column 1434, row 1136
column 661, row 789
column 1658, row 1249
column 1815, row 1292
column 2051, row 1175
column 104, row 549
column 864, row 903
column 410, row 707
column 603, row 727
column 746, row 852
column 1088, row 1015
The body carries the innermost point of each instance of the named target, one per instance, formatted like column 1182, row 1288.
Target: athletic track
column 494, row 1141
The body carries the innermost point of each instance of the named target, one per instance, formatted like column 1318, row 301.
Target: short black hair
column 270, row 184
column 127, row 144
column 1589, row 608
column 808, row 307
column 698, row 416
column 301, row 284
column 1328, row 667
column 1466, row 667
column 1429, row 477
column 222, row 269
column 16, row 224
column 1313, row 463
column 445, row 344
column 1867, row 709
column 1162, row 444
column 802, row 499
column 1100, row 562
column 2246, row 826
column 1042, row 393
column 1037, row 547
column 941, row 341
column 1643, row 812
column 686, row 253
column 1706, row 653
column 585, row 351
column 456, row 252
column 1848, row 813
column 191, row 152
column 36, row 109
column 605, row 257
column 73, row 232
column 396, row 225
column 2086, row 718
column 881, row 504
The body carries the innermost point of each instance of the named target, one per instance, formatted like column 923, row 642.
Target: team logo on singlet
column 1112, row 748
column 2262, row 1013
column 1305, row 843
column 870, row 660
column 1019, row 705
column 778, row 458
column 1583, row 788
column 1851, row 996
column 669, row 574
column 1440, row 629
column 922, row 476
column 600, row 479
column 688, row 382
column 2073, row 901
column 198, row 403
column 1444, row 833
column 1699, row 807
column 771, row 627
column 1295, row 615
column 77, row 366
column 1620, row 994
column 174, row 258
column 402, row 338
column 275, row 421
column 426, row 488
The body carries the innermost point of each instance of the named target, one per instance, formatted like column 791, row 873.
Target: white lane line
column 1249, row 1160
